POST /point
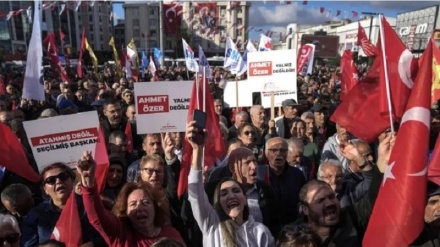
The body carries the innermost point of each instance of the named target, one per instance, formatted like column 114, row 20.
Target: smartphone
column 200, row 118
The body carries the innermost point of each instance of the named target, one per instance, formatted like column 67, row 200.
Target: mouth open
column 233, row 204
column 61, row 189
column 330, row 212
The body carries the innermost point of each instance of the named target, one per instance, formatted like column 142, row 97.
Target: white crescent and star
column 388, row 174
column 404, row 68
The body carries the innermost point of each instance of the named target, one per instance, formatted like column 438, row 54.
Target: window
column 91, row 28
column 100, row 37
column 79, row 17
column 239, row 9
column 90, row 18
column 153, row 33
column 99, row 8
column 90, row 8
column 100, row 29
column 92, row 39
column 100, row 19
column 222, row 11
column 239, row 21
column 102, row 47
column 136, row 33
column 135, row 22
column 152, row 11
column 137, row 43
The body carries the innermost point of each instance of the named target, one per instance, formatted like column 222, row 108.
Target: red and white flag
column 349, row 74
column 172, row 19
column 52, row 52
column 265, row 43
column 13, row 156
column 68, row 227
column 81, row 52
column 101, row 159
column 215, row 147
column 363, row 41
column 129, row 135
column 398, row 214
column 305, row 59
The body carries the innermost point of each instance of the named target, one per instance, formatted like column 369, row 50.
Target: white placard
column 162, row 106
column 62, row 138
column 267, row 71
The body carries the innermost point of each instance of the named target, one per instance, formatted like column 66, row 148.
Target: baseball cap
column 318, row 108
column 289, row 102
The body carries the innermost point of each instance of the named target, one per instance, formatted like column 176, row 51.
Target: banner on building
column 62, row 138
column 207, row 14
column 162, row 106
column 172, row 13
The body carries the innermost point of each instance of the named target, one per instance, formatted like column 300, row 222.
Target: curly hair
column 161, row 204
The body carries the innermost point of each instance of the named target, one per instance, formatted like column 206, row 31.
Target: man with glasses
column 283, row 123
column 285, row 180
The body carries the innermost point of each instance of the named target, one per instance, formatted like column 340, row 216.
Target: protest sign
column 269, row 71
column 62, row 138
column 162, row 106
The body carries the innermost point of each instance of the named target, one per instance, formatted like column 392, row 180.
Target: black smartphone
column 200, row 118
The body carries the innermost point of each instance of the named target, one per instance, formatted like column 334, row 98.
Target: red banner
column 208, row 15
column 172, row 17
column 305, row 58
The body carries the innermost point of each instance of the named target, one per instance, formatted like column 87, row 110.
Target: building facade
column 416, row 27
column 97, row 21
column 119, row 34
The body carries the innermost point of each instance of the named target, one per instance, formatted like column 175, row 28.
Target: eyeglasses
column 10, row 239
column 336, row 177
column 278, row 150
column 150, row 171
column 247, row 132
column 53, row 179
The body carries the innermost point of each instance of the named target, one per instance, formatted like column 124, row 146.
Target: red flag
column 214, row 148
column 398, row 213
column 402, row 68
column 68, row 227
column 101, row 159
column 81, row 51
column 355, row 14
column 435, row 89
column 321, row 9
column 13, row 157
column 434, row 164
column 62, row 35
column 2, row 85
column 365, row 43
column 360, row 108
column 129, row 137
column 172, row 18
column 349, row 75
column 52, row 52
column 208, row 14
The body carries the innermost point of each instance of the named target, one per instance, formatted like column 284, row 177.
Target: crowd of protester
column 296, row 180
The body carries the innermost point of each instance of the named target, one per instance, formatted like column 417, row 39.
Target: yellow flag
column 132, row 52
column 115, row 57
column 92, row 55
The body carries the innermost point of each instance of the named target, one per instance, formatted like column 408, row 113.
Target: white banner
column 62, row 138
column 162, row 106
column 269, row 71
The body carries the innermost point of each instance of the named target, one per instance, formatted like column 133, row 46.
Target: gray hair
column 328, row 162
column 242, row 114
column 295, row 142
column 307, row 115
column 14, row 192
column 6, row 219
column 48, row 113
column 266, row 146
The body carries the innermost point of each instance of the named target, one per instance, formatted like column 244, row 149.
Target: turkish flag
column 214, row 147
column 101, row 159
column 68, row 227
column 81, row 51
column 2, row 85
column 435, row 89
column 402, row 69
column 129, row 135
column 363, row 41
column 172, row 17
column 13, row 157
column 398, row 213
column 52, row 52
column 349, row 75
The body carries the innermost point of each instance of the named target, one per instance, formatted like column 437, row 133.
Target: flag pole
column 204, row 90
column 387, row 81
column 236, row 93
column 197, row 90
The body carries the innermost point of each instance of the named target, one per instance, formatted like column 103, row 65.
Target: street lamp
column 371, row 14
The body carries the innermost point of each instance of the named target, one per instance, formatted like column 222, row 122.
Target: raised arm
column 104, row 221
column 202, row 210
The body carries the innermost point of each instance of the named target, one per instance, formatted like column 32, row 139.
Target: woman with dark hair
column 298, row 236
column 114, row 179
column 139, row 214
column 57, row 182
column 247, row 134
column 311, row 150
column 228, row 223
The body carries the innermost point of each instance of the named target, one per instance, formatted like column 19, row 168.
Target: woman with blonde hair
column 228, row 223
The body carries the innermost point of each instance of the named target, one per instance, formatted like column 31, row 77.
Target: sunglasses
column 150, row 171
column 53, row 179
column 10, row 239
column 247, row 132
